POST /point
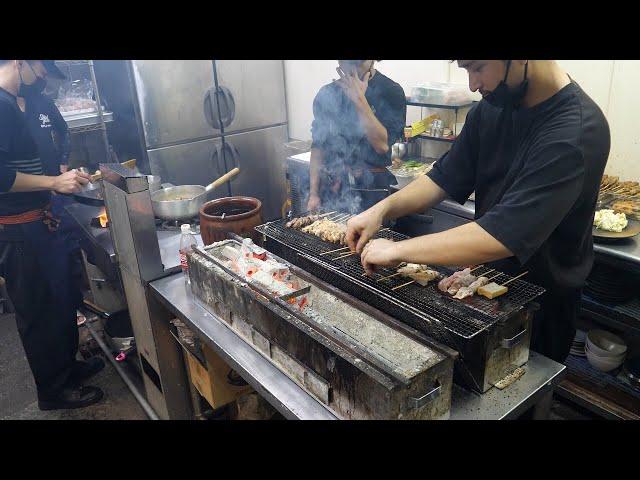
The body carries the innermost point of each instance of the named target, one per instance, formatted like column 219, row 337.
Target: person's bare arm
column 315, row 167
column 467, row 244
column 374, row 130
column 355, row 89
column 419, row 195
column 31, row 183
column 68, row 182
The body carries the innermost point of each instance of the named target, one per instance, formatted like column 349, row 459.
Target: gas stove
column 174, row 225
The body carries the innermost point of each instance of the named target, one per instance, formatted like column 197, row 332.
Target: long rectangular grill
column 465, row 318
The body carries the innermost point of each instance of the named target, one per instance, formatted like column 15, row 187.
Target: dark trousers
column 72, row 237
column 35, row 264
column 554, row 325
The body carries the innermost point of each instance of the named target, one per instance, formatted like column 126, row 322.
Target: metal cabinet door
column 172, row 96
column 252, row 93
column 194, row 163
column 260, row 156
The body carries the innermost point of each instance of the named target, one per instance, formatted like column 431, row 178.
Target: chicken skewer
column 470, row 290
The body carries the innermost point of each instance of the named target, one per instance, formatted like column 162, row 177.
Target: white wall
column 611, row 84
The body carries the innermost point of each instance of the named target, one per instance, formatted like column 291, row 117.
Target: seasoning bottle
column 187, row 242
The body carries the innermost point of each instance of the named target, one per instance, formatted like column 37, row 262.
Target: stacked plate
column 579, row 341
column 605, row 351
column 610, row 285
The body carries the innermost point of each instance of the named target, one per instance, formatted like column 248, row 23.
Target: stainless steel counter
column 168, row 240
column 627, row 251
column 542, row 374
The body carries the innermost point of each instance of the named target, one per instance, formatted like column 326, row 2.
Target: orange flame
column 104, row 220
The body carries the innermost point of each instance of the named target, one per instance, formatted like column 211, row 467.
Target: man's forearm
column 374, row 130
column 315, row 166
column 467, row 244
column 419, row 195
column 32, row 183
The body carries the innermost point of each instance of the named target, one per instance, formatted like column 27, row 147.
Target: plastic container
column 442, row 94
column 404, row 177
column 187, row 242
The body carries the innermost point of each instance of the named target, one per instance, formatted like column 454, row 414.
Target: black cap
column 53, row 70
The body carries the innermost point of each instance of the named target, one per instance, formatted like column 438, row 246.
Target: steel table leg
column 542, row 409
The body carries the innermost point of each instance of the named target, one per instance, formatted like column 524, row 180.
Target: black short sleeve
column 392, row 113
column 455, row 171
column 539, row 199
column 320, row 127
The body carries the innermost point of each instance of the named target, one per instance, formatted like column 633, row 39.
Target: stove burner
column 174, row 225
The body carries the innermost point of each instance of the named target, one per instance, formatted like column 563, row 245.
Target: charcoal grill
column 492, row 336
column 359, row 362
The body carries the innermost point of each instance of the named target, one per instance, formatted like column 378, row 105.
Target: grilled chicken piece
column 422, row 274
column 462, row 281
column 328, row 231
column 300, row 222
column 446, row 282
column 465, row 292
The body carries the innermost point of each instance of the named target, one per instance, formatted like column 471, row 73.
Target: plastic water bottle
column 187, row 242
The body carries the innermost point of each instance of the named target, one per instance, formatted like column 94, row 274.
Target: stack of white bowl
column 605, row 351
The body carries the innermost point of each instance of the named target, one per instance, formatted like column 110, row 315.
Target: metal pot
column 398, row 150
column 183, row 202
column 155, row 183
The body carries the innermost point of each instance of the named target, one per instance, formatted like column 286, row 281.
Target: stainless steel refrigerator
column 201, row 118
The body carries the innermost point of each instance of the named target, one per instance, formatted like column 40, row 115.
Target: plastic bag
column 76, row 97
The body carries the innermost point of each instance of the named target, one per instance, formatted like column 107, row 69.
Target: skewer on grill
column 326, row 214
column 346, row 255
column 336, row 250
column 403, row 285
column 479, row 266
column 493, row 290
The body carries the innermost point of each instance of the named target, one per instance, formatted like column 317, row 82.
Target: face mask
column 503, row 96
column 36, row 88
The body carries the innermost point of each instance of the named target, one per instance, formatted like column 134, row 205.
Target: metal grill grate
column 465, row 317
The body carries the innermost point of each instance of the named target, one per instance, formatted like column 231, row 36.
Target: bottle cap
column 185, row 228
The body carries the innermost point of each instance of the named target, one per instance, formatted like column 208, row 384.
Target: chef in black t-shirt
column 50, row 133
column 33, row 256
column 534, row 151
column 356, row 120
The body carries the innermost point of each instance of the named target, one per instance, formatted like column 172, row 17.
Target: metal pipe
column 141, row 400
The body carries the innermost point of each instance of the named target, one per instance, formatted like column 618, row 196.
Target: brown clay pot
column 241, row 215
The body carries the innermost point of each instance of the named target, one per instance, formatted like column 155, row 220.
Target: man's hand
column 379, row 252
column 70, row 182
column 352, row 86
column 362, row 227
column 314, row 203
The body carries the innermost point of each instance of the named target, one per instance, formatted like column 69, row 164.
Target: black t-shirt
column 44, row 120
column 337, row 131
column 536, row 173
column 18, row 153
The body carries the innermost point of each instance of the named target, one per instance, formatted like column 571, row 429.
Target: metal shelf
column 440, row 106
column 436, row 139
column 87, row 121
column 71, row 63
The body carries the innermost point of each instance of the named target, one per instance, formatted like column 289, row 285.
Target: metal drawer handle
column 513, row 341
column 98, row 280
column 426, row 398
